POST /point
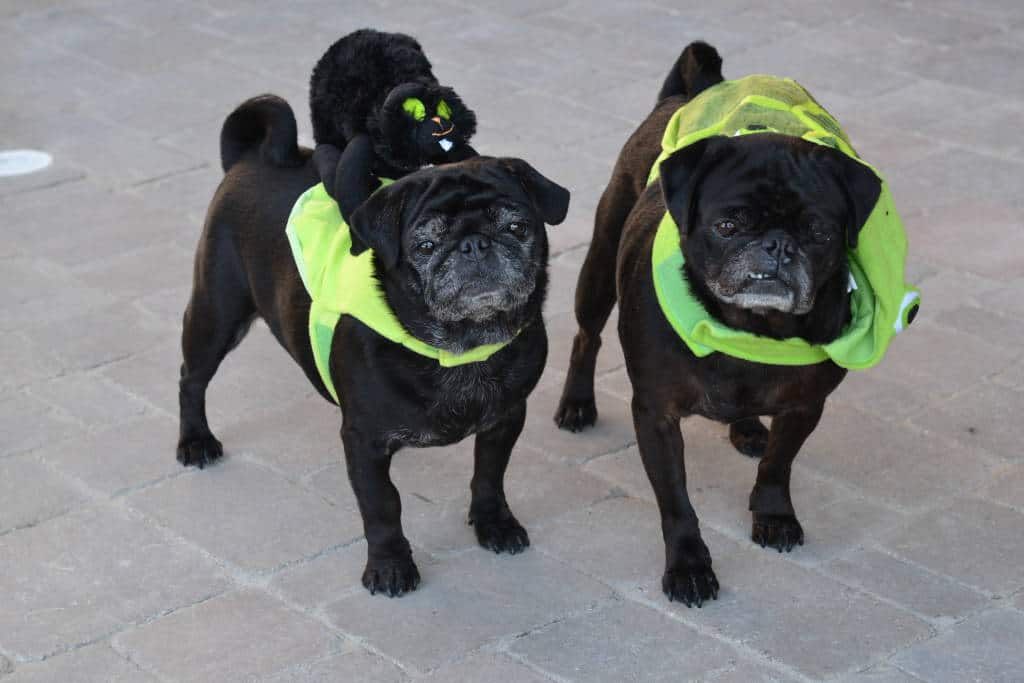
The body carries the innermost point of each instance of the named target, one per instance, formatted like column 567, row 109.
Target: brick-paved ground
column 117, row 564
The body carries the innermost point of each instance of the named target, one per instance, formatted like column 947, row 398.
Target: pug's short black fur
column 743, row 205
column 482, row 280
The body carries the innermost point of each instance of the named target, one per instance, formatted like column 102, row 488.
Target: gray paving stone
column 24, row 362
column 37, row 292
column 166, row 304
column 82, row 222
column 879, row 674
column 487, row 667
column 719, row 480
column 91, row 402
column 891, row 462
column 982, row 648
column 745, row 671
column 233, row 637
column 790, row 614
column 980, row 418
column 244, row 514
column 618, row 541
column 298, row 438
column 992, row 326
column 90, row 573
column 465, row 602
column 92, row 664
column 135, row 273
column 32, row 493
column 327, row 577
column 937, row 361
column 972, row 541
column 613, row 431
column 257, row 378
column 561, row 330
column 100, row 337
column 26, row 423
column 1009, row 487
column 354, row 665
column 927, row 594
column 623, row 642
column 119, row 458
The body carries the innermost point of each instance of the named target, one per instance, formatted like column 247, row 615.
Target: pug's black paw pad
column 502, row 535
column 781, row 532
column 199, row 450
column 692, row 586
column 749, row 437
column 574, row 414
column 391, row 577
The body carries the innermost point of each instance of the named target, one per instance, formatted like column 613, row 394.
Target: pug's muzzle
column 770, row 272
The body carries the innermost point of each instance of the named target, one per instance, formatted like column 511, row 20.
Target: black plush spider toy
column 378, row 112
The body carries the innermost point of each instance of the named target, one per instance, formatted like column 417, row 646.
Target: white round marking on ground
column 22, row 161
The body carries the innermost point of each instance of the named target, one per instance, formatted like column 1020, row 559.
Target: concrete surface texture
column 116, row 564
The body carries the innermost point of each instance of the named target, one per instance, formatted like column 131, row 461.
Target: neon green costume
column 881, row 303
column 342, row 284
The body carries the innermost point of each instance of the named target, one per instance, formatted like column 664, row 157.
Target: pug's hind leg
column 774, row 520
column 390, row 569
column 496, row 527
column 595, row 298
column 749, row 437
column 217, row 318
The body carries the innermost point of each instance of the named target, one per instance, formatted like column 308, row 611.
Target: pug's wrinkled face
column 473, row 254
column 461, row 248
column 767, row 220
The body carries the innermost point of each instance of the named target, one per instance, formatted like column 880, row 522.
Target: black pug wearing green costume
column 379, row 112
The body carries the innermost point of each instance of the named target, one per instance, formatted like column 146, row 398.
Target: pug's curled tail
column 698, row 67
column 265, row 123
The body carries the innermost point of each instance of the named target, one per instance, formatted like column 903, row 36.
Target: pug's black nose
column 780, row 246
column 475, row 247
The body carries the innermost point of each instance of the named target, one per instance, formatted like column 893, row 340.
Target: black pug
column 379, row 112
column 764, row 222
column 459, row 257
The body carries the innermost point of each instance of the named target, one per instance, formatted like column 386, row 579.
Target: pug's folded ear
column 679, row 175
column 377, row 224
column 860, row 185
column 549, row 198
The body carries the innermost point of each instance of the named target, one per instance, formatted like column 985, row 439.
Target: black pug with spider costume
column 379, row 112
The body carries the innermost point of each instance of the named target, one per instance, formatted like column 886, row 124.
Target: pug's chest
column 728, row 389
column 463, row 401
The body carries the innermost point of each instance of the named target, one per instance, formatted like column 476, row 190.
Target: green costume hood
column 881, row 303
column 342, row 284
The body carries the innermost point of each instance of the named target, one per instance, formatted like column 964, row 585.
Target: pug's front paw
column 688, row 578
column 199, row 450
column 692, row 586
column 502, row 534
column 574, row 413
column 392, row 577
column 781, row 532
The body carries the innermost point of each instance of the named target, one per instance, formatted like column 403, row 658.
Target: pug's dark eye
column 517, row 229
column 425, row 248
column 820, row 235
column 726, row 228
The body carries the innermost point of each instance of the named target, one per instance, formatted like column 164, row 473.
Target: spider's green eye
column 443, row 110
column 415, row 108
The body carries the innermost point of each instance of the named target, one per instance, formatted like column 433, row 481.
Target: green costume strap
column 881, row 303
column 342, row 284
